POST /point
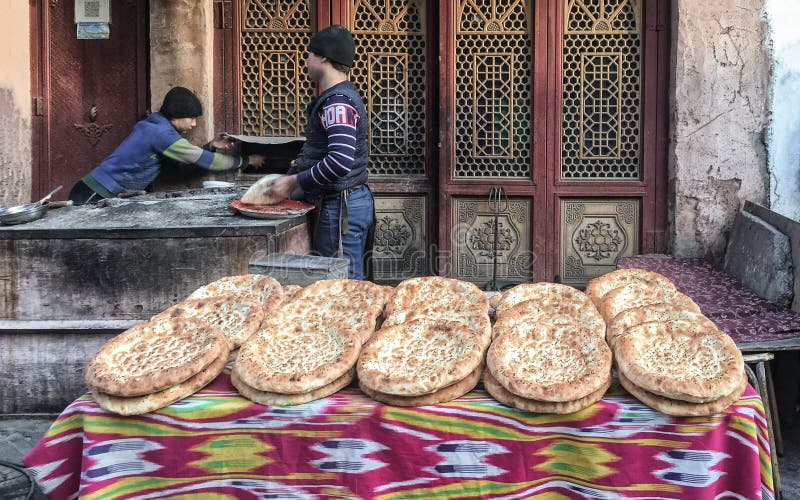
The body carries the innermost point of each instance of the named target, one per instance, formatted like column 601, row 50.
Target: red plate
column 286, row 208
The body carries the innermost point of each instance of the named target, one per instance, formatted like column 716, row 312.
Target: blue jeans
column 360, row 207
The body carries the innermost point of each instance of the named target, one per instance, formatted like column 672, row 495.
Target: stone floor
column 18, row 434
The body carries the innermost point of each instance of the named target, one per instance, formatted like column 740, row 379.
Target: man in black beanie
column 332, row 166
column 137, row 161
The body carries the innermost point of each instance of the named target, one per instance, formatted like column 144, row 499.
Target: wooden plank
column 122, row 279
column 8, row 280
column 44, row 372
column 792, row 344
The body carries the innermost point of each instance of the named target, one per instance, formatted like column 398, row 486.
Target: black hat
column 181, row 102
column 335, row 43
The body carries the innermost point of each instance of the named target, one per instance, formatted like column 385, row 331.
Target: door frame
column 546, row 187
column 40, row 88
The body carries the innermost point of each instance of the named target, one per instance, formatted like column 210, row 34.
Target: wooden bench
column 759, row 327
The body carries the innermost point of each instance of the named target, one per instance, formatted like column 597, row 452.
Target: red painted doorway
column 87, row 94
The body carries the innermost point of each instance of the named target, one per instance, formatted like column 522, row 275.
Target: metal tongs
column 49, row 195
column 498, row 203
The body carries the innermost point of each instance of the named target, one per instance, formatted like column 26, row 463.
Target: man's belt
column 347, row 192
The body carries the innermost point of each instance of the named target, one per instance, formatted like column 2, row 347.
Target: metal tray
column 286, row 208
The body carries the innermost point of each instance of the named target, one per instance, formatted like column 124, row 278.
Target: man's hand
column 255, row 160
column 223, row 142
column 283, row 186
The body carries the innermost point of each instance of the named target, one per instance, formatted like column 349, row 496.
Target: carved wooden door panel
column 87, row 94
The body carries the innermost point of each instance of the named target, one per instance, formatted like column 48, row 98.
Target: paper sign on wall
column 92, row 11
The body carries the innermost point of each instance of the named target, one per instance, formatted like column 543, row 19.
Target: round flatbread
column 444, row 395
column 298, row 356
column 597, row 288
column 546, row 362
column 154, row 356
column 435, row 292
column 544, row 293
column 138, row 405
column 419, row 357
column 277, row 399
column 658, row 313
column 266, row 290
column 502, row 395
column 236, row 317
column 358, row 304
column 289, row 292
column 680, row 360
column 260, row 193
column 475, row 318
column 683, row 408
column 641, row 294
column 555, row 313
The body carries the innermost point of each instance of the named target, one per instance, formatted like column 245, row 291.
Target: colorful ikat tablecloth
column 217, row 444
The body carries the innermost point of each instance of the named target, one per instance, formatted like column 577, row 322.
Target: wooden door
column 88, row 94
column 493, row 113
column 561, row 103
column 396, row 71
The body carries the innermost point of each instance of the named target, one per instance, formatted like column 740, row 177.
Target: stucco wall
column 784, row 143
column 719, row 120
column 181, row 53
column 15, row 104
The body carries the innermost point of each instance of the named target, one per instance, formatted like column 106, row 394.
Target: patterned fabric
column 216, row 443
column 734, row 308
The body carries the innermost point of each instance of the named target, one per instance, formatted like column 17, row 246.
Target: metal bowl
column 21, row 214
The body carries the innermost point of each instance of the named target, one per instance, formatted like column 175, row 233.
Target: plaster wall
column 15, row 104
column 181, row 54
column 784, row 136
column 719, row 120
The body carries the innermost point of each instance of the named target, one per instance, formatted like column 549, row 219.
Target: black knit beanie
column 335, row 43
column 181, row 102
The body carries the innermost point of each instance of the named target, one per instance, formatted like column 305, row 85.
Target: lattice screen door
column 559, row 102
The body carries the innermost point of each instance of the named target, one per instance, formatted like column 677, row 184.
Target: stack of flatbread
column 358, row 304
column 431, row 345
column 421, row 362
column 668, row 354
column 437, row 298
column 307, row 350
column 296, row 361
column 549, row 353
column 549, row 303
column 237, row 305
column 155, row 364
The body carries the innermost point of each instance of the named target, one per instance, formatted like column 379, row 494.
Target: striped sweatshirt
column 339, row 118
column 137, row 161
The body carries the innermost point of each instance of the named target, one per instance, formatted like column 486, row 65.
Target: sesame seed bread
column 419, row 357
column 545, row 362
column 154, row 356
column 680, row 360
column 298, row 356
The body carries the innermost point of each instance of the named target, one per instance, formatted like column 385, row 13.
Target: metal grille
column 601, row 89
column 275, row 86
column 390, row 66
column 492, row 88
